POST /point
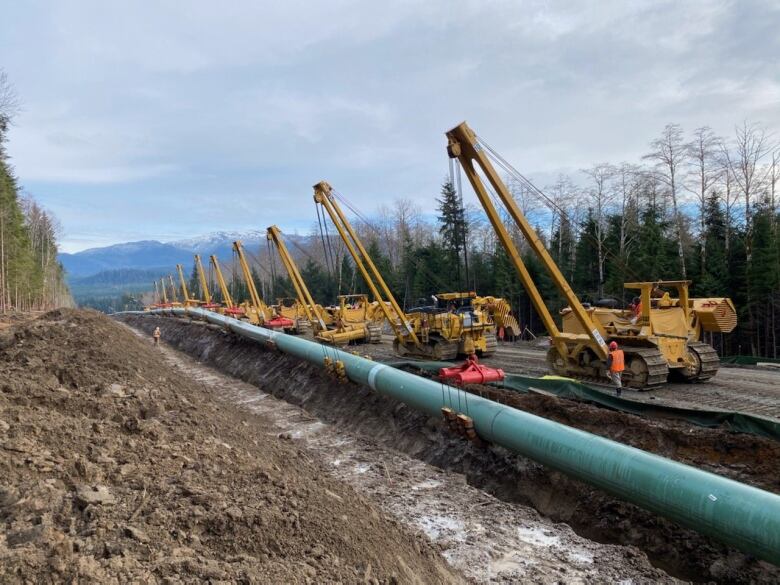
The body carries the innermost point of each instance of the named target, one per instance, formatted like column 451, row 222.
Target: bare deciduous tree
column 669, row 154
column 628, row 178
column 601, row 176
column 561, row 195
column 751, row 146
column 705, row 172
column 9, row 103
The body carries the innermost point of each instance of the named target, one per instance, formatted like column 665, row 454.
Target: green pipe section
column 736, row 514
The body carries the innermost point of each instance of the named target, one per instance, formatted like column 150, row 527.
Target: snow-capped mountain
column 126, row 263
column 214, row 240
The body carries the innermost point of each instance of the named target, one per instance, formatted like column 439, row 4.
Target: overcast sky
column 159, row 120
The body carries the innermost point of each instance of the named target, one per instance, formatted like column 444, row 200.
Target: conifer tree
column 453, row 229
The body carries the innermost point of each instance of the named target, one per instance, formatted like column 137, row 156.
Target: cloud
column 169, row 117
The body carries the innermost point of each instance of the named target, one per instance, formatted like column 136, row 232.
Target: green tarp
column 566, row 388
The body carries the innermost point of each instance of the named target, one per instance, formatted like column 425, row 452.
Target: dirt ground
column 114, row 468
column 680, row 552
column 15, row 318
column 487, row 539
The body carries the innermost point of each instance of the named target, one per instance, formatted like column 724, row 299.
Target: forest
column 698, row 207
column 31, row 278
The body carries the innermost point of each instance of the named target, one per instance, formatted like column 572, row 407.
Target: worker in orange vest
column 156, row 335
column 616, row 363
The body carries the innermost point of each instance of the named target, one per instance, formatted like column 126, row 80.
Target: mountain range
column 125, row 267
column 151, row 254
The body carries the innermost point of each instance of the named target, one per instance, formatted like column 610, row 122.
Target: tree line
column 31, row 277
column 698, row 207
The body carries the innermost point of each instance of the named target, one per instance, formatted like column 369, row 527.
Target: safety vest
column 618, row 361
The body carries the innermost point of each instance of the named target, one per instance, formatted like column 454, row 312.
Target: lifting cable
column 273, row 266
column 455, row 182
column 325, row 247
column 431, row 277
column 233, row 285
column 520, row 178
column 255, row 261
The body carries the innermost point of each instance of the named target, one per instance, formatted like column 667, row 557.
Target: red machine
column 471, row 372
column 279, row 323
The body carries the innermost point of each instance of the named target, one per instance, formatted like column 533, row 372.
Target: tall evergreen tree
column 453, row 229
column 194, row 284
column 656, row 254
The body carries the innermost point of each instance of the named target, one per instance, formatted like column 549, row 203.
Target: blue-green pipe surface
column 736, row 514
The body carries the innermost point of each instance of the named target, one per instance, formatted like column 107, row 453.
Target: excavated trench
column 680, row 552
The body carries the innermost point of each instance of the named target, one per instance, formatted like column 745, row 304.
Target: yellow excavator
column 255, row 309
column 440, row 331
column 663, row 337
column 334, row 328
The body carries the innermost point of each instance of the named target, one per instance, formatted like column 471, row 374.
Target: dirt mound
column 112, row 470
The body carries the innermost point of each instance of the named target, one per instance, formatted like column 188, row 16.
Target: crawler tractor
column 664, row 339
column 328, row 327
column 443, row 331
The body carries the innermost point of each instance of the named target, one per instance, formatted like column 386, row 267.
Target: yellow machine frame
column 326, row 328
column 439, row 335
column 580, row 348
column 188, row 301
column 227, row 300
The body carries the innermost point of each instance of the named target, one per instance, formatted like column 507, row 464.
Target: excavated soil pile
column 112, row 470
column 679, row 551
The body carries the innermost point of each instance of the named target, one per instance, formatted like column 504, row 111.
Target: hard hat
column 613, row 345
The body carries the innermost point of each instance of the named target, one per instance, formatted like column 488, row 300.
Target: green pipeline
column 736, row 514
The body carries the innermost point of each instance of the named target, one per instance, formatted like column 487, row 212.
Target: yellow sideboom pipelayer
column 255, row 309
column 334, row 330
column 664, row 339
column 188, row 301
column 437, row 333
column 229, row 308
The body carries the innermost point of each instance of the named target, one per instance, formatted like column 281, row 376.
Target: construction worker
column 616, row 363
column 156, row 335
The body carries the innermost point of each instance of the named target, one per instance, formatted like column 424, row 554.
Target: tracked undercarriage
column 440, row 349
column 646, row 367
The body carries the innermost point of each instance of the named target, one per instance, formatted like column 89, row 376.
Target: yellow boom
column 183, row 283
column 463, row 145
column 312, row 311
column 323, row 195
column 164, row 293
column 223, row 287
column 204, row 285
column 260, row 311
